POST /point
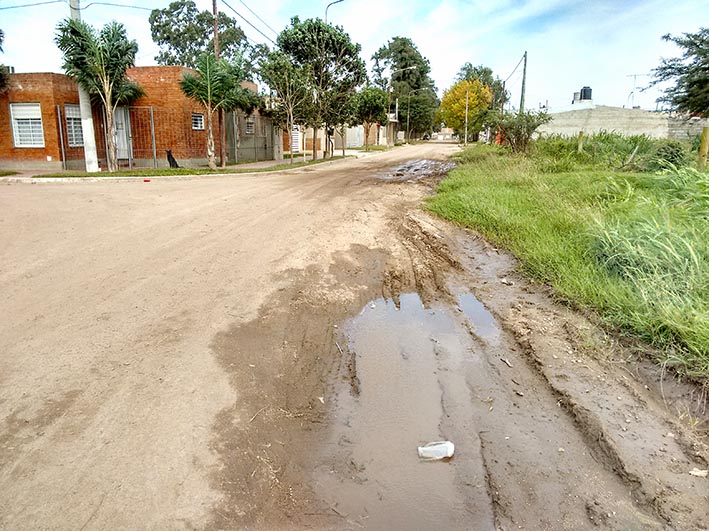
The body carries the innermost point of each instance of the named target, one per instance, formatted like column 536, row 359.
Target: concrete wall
column 602, row 118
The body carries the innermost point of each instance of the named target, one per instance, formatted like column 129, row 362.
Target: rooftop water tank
column 586, row 93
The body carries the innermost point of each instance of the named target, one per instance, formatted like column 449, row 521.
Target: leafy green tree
column 517, row 128
column 689, row 73
column 216, row 85
column 98, row 61
column 290, row 83
column 486, row 77
column 4, row 78
column 453, row 105
column 371, row 105
column 400, row 69
column 333, row 64
column 184, row 34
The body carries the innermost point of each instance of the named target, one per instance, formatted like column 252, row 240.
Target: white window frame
column 74, row 129
column 197, row 121
column 32, row 121
column 250, row 128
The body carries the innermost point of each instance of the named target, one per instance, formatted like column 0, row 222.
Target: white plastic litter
column 436, row 450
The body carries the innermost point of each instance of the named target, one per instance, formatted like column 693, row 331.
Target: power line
column 114, row 5
column 250, row 24
column 513, row 71
column 32, row 5
column 254, row 14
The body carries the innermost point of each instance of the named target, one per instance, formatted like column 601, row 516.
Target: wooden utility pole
column 221, row 121
column 704, row 148
column 466, row 117
column 524, row 83
column 215, row 12
column 87, row 120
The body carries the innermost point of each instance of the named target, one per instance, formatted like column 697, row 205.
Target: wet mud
column 557, row 425
column 418, row 171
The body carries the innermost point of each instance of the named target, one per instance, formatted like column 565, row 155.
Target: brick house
column 41, row 125
column 39, row 113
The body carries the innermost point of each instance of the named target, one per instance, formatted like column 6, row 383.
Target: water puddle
column 482, row 320
column 373, row 476
column 416, row 170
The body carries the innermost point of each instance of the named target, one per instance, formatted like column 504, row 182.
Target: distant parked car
column 426, row 137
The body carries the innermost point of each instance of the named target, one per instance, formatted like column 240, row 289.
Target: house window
column 197, row 121
column 27, row 125
column 250, row 126
column 74, row 133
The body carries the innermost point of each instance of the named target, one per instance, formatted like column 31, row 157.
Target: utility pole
column 87, row 120
column 466, row 116
column 222, row 129
column 524, row 83
column 215, row 12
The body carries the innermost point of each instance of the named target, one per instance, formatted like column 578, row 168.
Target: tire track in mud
column 549, row 459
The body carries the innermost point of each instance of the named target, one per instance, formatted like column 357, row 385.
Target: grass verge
column 633, row 246
column 163, row 172
column 7, row 173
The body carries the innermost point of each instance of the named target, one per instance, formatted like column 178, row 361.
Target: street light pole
column 396, row 113
column 87, row 120
column 328, row 7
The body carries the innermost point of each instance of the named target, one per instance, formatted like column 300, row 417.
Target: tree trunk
column 290, row 125
column 343, row 133
column 222, row 138
column 367, row 128
column 315, row 143
column 210, row 141
column 111, row 139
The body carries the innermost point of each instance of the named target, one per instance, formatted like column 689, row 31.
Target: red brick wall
column 172, row 112
column 49, row 90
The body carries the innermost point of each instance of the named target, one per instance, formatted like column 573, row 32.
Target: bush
column 518, row 128
column 668, row 153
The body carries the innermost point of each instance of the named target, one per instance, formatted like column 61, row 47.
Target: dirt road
column 267, row 352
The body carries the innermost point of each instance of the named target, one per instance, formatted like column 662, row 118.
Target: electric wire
column 250, row 24
column 254, row 14
column 513, row 71
column 33, row 5
column 114, row 5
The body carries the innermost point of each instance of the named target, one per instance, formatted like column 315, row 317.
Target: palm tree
column 98, row 61
column 216, row 87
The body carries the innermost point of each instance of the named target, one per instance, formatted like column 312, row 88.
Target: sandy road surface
column 267, row 351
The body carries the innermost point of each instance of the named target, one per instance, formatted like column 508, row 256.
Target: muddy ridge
column 502, row 381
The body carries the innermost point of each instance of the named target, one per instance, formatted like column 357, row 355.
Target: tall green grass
column 633, row 246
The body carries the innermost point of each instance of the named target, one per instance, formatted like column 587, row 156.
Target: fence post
column 152, row 134
column 580, row 146
column 130, row 138
column 61, row 136
column 704, row 148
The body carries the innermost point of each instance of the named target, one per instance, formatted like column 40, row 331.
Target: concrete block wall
column 602, row 118
column 686, row 127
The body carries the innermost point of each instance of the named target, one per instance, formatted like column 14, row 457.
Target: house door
column 122, row 123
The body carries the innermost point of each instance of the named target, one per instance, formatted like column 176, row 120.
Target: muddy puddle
column 417, row 170
column 408, row 394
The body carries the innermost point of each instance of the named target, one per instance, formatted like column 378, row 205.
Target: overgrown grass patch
column 165, row 172
column 7, row 173
column 633, row 246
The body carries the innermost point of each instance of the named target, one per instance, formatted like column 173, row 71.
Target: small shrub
column 668, row 153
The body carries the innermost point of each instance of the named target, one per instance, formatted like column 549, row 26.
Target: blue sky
column 571, row 43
